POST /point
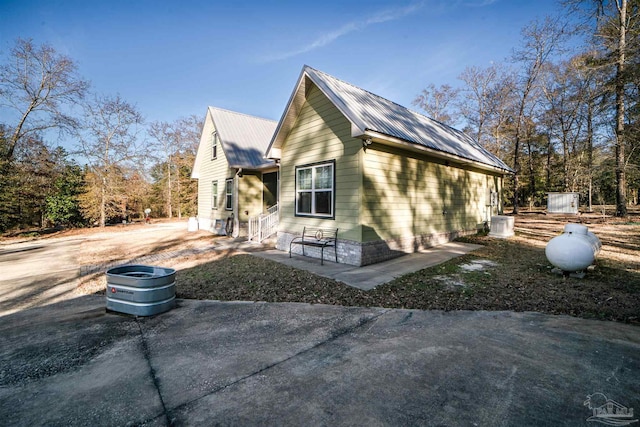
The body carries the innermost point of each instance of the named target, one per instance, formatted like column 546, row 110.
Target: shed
column 563, row 203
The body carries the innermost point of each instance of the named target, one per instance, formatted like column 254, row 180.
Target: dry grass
column 518, row 279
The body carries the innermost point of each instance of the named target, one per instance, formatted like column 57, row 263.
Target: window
column 214, row 195
column 314, row 190
column 214, row 145
column 228, row 204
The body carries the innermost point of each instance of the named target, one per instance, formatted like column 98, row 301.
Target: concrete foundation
column 217, row 226
column 365, row 253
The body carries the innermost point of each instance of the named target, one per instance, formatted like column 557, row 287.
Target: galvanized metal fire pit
column 141, row 290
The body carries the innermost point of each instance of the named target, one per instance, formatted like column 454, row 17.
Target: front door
column 270, row 189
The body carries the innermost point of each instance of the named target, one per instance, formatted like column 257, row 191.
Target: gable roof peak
column 243, row 137
column 372, row 114
column 224, row 110
column 374, row 95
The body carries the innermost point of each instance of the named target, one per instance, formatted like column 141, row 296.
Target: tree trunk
column 13, row 141
column 565, row 162
column 516, row 176
column 532, row 172
column 621, row 199
column 518, row 131
column 169, row 205
column 103, row 197
column 516, row 150
column 516, row 154
column 548, row 183
column 590, row 150
column 179, row 194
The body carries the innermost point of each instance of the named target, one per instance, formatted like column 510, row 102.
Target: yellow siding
column 211, row 170
column 383, row 192
column 321, row 133
column 250, row 189
column 407, row 194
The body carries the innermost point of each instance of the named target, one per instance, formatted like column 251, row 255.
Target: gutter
column 369, row 136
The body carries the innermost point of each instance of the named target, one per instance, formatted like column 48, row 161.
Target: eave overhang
column 388, row 140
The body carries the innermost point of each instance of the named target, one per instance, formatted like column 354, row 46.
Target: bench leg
column 322, row 255
column 335, row 249
column 291, row 245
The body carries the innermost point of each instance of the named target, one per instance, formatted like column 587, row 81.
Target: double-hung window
column 214, row 195
column 228, row 193
column 315, row 190
column 214, row 145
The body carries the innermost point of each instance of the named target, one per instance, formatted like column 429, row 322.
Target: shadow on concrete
column 208, row 362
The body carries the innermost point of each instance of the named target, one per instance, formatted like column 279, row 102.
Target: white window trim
column 228, row 195
column 214, row 145
column 313, row 168
column 214, row 195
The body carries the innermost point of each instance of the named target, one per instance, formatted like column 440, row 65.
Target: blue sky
column 173, row 59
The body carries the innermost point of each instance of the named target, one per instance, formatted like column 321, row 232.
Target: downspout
column 278, row 189
column 236, row 203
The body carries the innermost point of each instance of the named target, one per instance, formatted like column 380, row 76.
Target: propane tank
column 574, row 250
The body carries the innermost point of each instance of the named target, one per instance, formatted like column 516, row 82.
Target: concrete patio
column 370, row 276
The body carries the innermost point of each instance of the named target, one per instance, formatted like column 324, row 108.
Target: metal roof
column 377, row 117
column 244, row 138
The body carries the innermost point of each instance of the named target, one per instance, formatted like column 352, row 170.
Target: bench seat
column 318, row 238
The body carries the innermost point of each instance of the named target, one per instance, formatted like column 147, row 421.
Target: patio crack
column 147, row 356
column 340, row 332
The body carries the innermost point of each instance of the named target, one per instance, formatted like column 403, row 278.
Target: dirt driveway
column 47, row 270
column 44, row 271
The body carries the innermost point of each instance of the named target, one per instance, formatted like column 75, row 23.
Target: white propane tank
column 574, row 250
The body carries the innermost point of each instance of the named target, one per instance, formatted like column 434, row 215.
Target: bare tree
column 540, row 41
column 488, row 93
column 165, row 143
column 620, row 21
column 503, row 100
column 36, row 84
column 475, row 107
column 175, row 145
column 564, row 95
column 439, row 103
column 189, row 137
column 589, row 93
column 615, row 25
column 109, row 145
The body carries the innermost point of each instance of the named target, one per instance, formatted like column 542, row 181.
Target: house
column 234, row 179
column 391, row 180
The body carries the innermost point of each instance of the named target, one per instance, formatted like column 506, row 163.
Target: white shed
column 563, row 203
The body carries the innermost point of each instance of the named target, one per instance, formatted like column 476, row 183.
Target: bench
column 319, row 238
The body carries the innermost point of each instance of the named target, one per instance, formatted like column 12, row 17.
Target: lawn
column 511, row 274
